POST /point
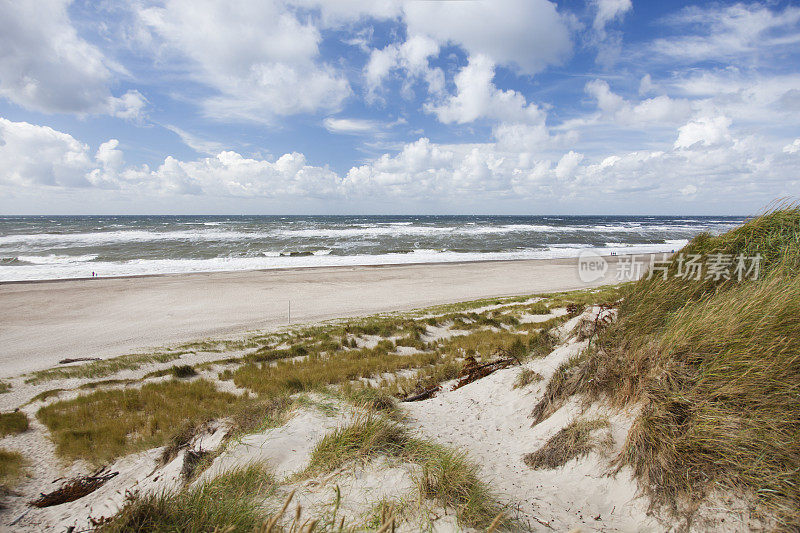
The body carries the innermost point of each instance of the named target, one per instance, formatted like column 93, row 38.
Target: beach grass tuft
column 446, row 476
column 12, row 468
column 526, row 377
column 229, row 502
column 13, row 423
column 571, row 442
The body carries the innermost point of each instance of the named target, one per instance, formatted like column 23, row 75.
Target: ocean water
column 49, row 247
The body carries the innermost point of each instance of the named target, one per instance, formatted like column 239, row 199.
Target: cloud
column 476, row 98
column 658, row 110
column 526, row 34
column 723, row 33
column 411, row 57
column 704, row 131
column 608, row 11
column 45, row 66
column 32, row 155
column 194, row 142
column 350, row 125
column 260, row 58
column 706, row 163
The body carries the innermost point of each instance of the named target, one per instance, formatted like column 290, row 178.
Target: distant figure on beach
column 93, row 274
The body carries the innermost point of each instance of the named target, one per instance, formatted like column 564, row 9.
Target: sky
column 398, row 107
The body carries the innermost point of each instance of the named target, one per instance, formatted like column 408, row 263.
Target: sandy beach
column 43, row 322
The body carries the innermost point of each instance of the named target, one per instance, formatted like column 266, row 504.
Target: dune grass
column 44, row 395
column 229, row 502
column 317, row 371
column 109, row 423
column 13, row 423
column 12, row 468
column 571, row 442
column 4, row 387
column 176, row 371
column 102, row 368
column 526, row 377
column 446, row 476
column 715, row 366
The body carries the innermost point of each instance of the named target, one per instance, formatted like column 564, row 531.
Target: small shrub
column 183, row 371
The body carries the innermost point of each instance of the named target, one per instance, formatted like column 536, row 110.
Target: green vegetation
column 571, row 442
column 176, row 371
column 366, row 438
column 12, row 468
column 44, row 395
column 105, row 383
column 12, row 423
column 104, row 367
column 452, row 481
column 447, row 477
column 715, row 364
column 230, row 502
column 371, row 399
column 106, row 424
column 316, row 371
column 4, row 387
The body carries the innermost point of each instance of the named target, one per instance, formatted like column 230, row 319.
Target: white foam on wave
column 54, row 259
column 141, row 267
column 211, row 232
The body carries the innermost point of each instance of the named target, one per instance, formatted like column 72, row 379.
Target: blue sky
column 389, row 106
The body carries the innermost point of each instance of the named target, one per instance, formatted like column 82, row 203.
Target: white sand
column 43, row 322
column 487, row 419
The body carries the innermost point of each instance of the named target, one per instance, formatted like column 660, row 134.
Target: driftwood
column 472, row 371
column 77, row 360
column 424, row 395
column 74, row 489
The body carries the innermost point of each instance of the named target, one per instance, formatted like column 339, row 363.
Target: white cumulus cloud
column 46, row 66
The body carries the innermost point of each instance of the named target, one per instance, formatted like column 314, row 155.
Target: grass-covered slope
column 716, row 366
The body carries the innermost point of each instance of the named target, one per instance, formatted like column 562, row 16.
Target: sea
column 62, row 247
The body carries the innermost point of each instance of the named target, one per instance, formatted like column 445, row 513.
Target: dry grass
column 317, row 371
column 104, row 367
column 526, row 377
column 13, row 423
column 370, row 399
column 571, row 442
column 12, row 468
column 715, row 365
column 228, row 503
column 106, row 424
column 44, row 395
column 568, row 379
